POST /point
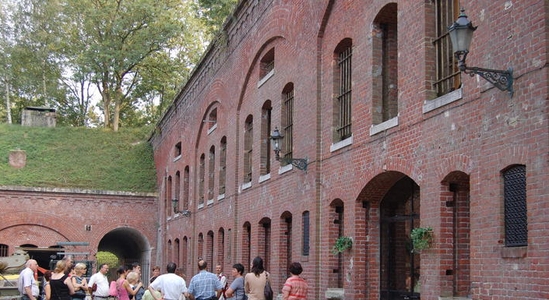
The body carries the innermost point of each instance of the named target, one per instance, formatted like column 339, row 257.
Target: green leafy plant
column 421, row 238
column 341, row 244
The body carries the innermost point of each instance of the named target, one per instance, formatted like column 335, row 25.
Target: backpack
column 113, row 291
column 268, row 291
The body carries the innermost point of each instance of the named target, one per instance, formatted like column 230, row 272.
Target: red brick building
column 47, row 221
column 395, row 137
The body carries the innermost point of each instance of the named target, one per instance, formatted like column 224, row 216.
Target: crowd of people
column 67, row 282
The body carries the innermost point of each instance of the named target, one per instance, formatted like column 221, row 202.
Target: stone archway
column 387, row 210
column 399, row 214
column 130, row 246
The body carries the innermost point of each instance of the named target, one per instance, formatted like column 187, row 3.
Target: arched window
column 342, row 90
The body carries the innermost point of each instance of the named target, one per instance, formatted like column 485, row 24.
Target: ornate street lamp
column 276, row 138
column 461, row 35
column 175, row 205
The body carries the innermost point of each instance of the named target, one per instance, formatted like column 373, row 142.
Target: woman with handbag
column 256, row 282
column 79, row 282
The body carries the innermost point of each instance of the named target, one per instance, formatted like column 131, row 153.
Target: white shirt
column 102, row 284
column 26, row 278
column 171, row 286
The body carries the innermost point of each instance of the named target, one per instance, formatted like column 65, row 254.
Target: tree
column 127, row 58
column 213, row 13
column 111, row 41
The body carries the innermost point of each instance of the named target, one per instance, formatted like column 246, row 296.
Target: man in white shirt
column 171, row 286
column 99, row 283
column 27, row 284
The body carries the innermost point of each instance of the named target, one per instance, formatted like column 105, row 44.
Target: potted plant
column 422, row 238
column 341, row 244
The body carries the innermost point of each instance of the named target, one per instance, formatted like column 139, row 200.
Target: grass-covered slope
column 83, row 158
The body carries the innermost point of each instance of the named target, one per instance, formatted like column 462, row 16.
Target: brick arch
column 367, row 222
column 460, row 162
column 36, row 234
column 40, row 221
column 514, row 155
column 252, row 65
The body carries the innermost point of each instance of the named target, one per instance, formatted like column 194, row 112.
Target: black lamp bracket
column 502, row 79
column 300, row 163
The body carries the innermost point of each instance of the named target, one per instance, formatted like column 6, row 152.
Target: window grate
column 306, row 229
column 447, row 72
column 287, row 142
column 344, row 96
column 516, row 229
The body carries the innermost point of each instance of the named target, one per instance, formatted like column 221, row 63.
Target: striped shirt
column 297, row 287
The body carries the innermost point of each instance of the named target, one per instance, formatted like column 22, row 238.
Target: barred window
column 211, row 173
column 3, row 250
column 248, row 148
column 288, row 122
column 342, row 90
column 306, row 234
column 516, row 223
column 447, row 72
column 265, row 164
column 201, row 179
column 222, row 165
column 186, row 180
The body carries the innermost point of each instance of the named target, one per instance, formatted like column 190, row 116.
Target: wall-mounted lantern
column 276, row 138
column 461, row 35
column 175, row 204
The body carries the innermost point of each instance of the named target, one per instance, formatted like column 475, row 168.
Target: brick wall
column 451, row 149
column 121, row 223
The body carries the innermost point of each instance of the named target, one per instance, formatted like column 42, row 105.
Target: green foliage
column 214, row 12
column 341, row 244
column 127, row 58
column 421, row 238
column 110, row 259
column 68, row 157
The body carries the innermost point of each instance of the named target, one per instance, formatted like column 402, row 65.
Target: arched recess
column 400, row 266
column 335, row 230
column 29, row 236
column 285, row 241
column 386, row 210
column 129, row 245
column 246, row 243
column 264, row 239
column 220, row 247
column 210, row 250
column 455, row 251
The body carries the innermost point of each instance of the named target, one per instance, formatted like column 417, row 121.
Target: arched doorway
column 130, row 246
column 399, row 214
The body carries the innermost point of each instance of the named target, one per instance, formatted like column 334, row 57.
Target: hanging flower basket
column 421, row 237
column 341, row 244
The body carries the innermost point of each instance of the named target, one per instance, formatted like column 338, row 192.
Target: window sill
column 220, row 197
column 284, row 169
column 214, row 126
column 375, row 129
column 341, row 144
column 246, row 185
column 264, row 177
column 265, row 78
column 514, row 252
column 430, row 105
column 177, row 158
